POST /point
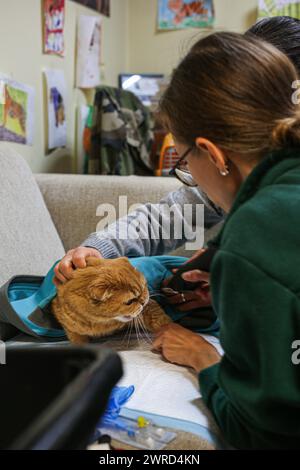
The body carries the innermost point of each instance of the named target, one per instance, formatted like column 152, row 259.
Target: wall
column 159, row 52
column 130, row 43
column 21, row 58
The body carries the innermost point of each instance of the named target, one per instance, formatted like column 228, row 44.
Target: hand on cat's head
column 74, row 259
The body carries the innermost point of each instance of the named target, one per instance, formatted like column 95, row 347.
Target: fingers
column 63, row 271
column 157, row 343
column 56, row 282
column 181, row 298
column 74, row 259
column 79, row 258
column 58, row 275
column 196, row 276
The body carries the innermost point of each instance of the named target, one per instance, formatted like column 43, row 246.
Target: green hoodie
column 254, row 393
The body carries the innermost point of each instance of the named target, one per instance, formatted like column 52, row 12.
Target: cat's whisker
column 147, row 337
column 136, row 329
column 139, row 333
column 127, row 334
column 142, row 324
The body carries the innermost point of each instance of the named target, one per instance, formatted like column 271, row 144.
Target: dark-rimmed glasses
column 182, row 172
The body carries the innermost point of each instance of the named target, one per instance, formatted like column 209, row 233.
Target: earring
column 224, row 172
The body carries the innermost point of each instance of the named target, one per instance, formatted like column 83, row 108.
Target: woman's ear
column 216, row 155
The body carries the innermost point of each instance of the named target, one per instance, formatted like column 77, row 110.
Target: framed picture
column 183, row 14
column 102, row 6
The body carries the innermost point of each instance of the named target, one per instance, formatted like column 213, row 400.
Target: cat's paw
column 155, row 324
column 154, row 317
column 77, row 339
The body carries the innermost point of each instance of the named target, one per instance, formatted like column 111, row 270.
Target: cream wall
column 152, row 51
column 21, row 58
column 130, row 43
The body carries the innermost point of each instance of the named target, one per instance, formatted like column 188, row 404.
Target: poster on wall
column 54, row 24
column 16, row 112
column 182, row 14
column 88, row 74
column 56, row 108
column 102, row 6
column 279, row 8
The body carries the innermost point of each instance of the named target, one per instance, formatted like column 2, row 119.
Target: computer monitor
column 144, row 86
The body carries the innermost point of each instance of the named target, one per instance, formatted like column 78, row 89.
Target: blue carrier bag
column 25, row 300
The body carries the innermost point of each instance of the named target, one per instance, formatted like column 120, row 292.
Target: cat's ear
column 92, row 261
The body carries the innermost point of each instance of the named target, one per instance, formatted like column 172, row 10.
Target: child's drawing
column 180, row 14
column 54, row 13
column 16, row 112
column 57, row 108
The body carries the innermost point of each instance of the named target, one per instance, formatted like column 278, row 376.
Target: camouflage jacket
column 118, row 135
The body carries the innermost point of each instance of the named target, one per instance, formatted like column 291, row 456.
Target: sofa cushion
column 29, row 242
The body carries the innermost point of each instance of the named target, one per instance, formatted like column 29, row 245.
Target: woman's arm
column 149, row 217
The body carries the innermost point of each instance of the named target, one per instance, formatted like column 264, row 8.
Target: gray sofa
column 42, row 216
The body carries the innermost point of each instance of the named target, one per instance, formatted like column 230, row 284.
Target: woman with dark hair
column 282, row 32
column 229, row 107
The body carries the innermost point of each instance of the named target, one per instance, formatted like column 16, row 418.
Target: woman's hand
column 74, row 259
column 191, row 300
column 181, row 346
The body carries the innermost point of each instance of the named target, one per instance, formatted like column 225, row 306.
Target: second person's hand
column 74, row 259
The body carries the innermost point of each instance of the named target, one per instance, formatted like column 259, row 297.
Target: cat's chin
column 124, row 318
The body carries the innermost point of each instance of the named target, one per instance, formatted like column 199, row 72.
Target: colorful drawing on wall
column 16, row 112
column 56, row 103
column 54, row 24
column 279, row 8
column 182, row 14
column 88, row 73
column 102, row 6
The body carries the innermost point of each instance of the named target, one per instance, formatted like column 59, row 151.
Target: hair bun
column 287, row 133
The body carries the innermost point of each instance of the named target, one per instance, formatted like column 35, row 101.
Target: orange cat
column 103, row 298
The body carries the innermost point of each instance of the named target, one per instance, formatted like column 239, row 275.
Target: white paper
column 16, row 111
column 57, row 105
column 88, row 51
column 163, row 388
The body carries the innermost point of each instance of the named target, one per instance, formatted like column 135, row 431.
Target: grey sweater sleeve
column 150, row 230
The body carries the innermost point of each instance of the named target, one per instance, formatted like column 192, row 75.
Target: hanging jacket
column 118, row 136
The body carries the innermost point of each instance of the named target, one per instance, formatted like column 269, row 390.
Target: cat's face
column 106, row 290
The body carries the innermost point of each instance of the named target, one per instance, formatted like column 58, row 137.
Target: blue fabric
column 158, row 268
column 25, row 298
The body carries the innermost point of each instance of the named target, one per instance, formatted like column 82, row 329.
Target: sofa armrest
column 73, row 200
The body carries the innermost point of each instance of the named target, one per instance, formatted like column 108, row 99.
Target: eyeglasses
column 182, row 172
